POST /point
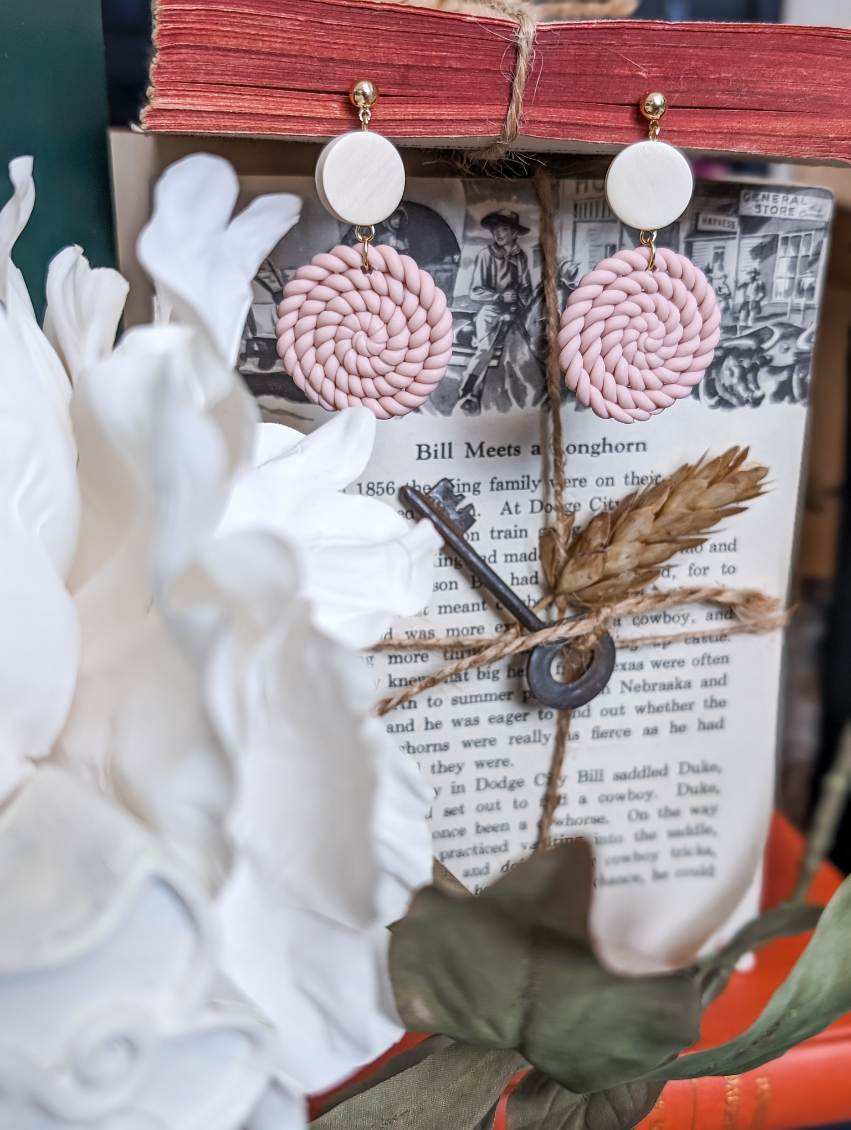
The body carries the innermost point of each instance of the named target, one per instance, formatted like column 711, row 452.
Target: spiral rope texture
column 381, row 338
column 633, row 341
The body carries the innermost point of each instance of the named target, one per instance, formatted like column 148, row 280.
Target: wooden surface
column 270, row 68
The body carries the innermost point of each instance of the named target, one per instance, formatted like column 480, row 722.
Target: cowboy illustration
column 753, row 295
column 503, row 285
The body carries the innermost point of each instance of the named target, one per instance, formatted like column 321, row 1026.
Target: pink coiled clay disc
column 381, row 338
column 633, row 341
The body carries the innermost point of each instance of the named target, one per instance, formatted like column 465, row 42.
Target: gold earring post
column 363, row 95
column 653, row 107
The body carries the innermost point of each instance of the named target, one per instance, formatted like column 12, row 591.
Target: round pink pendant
column 633, row 341
column 382, row 338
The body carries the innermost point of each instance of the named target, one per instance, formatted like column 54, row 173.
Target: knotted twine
column 756, row 612
column 526, row 18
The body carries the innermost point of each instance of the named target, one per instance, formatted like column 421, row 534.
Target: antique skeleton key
column 446, row 512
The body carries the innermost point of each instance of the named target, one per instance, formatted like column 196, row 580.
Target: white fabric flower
column 39, row 514
column 213, row 572
column 363, row 564
column 293, row 711
column 113, row 1010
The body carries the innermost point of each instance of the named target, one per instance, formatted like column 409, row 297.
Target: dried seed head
column 620, row 552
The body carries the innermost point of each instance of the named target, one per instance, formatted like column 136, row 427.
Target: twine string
column 526, row 17
column 524, row 44
column 546, row 188
column 755, row 613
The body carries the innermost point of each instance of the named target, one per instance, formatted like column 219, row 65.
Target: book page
column 670, row 772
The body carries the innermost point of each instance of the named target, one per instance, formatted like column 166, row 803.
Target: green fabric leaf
column 398, row 1063
column 781, row 922
column 513, row 967
column 455, row 1087
column 540, row 1103
column 816, row 992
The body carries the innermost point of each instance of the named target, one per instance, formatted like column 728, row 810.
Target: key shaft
column 451, row 523
column 456, row 541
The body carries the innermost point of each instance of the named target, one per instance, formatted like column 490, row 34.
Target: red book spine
column 272, row 68
column 809, row 1086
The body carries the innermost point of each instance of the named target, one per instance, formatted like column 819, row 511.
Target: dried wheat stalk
column 621, row 551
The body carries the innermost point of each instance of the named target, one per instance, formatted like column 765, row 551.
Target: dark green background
column 53, row 106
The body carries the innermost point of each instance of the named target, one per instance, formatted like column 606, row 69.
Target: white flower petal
column 139, row 731
column 328, row 824
column 313, row 977
column 334, row 454
column 280, row 1108
column 359, row 587
column 202, row 264
column 114, row 418
column 46, row 373
column 39, row 509
column 38, row 487
column 363, row 563
column 84, row 307
column 311, row 755
column 39, row 642
column 14, row 217
column 139, row 725
column 117, row 415
column 110, row 1007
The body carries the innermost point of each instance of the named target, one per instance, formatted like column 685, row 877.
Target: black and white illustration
column 497, row 360
column 766, row 269
column 762, row 247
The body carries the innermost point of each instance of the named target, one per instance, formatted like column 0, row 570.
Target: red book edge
column 769, row 107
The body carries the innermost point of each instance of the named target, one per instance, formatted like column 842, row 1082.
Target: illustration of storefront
column 762, row 264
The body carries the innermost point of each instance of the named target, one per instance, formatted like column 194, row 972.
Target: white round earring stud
column 360, row 177
column 649, row 185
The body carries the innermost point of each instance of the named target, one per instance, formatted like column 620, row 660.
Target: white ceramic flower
column 211, row 576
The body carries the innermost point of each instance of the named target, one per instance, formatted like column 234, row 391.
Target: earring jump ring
column 648, row 239
column 365, row 234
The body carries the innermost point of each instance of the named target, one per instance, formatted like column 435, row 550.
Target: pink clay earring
column 640, row 330
column 364, row 324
